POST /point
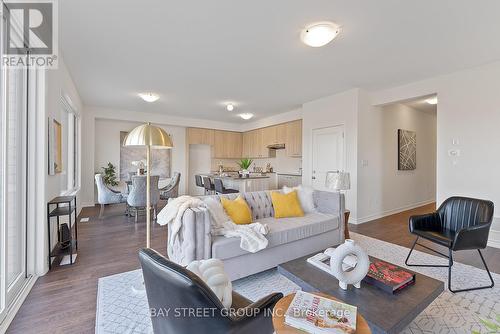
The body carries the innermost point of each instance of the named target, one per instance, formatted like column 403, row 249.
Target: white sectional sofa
column 289, row 238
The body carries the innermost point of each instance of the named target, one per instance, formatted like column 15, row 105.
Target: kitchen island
column 245, row 184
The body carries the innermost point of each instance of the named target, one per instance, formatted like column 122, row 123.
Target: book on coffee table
column 384, row 275
column 319, row 315
column 388, row 277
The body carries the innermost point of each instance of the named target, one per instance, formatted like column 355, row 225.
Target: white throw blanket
column 252, row 235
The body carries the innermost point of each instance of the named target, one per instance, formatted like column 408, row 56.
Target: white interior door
column 328, row 153
column 200, row 162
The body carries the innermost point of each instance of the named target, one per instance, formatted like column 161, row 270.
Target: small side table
column 346, row 224
column 282, row 305
column 67, row 210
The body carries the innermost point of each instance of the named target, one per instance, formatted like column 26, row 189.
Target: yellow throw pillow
column 286, row 205
column 238, row 210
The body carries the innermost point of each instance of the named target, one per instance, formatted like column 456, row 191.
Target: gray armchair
column 106, row 195
column 136, row 199
column 172, row 189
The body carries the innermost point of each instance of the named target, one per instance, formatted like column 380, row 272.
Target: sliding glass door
column 13, row 181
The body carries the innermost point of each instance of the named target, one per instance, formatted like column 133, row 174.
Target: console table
column 56, row 208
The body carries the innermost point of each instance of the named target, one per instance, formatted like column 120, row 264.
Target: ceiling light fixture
column 149, row 97
column 319, row 34
column 230, row 107
column 432, row 100
column 246, row 116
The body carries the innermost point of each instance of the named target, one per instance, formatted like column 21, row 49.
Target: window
column 71, row 125
column 13, row 177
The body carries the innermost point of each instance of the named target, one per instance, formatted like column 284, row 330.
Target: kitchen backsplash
column 281, row 163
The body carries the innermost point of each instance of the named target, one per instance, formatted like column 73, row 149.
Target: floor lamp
column 149, row 136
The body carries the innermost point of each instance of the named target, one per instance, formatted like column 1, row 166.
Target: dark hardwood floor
column 64, row 300
column 394, row 229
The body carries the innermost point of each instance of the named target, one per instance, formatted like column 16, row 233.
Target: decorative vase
column 359, row 264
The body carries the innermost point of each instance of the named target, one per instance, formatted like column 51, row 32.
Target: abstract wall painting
column 407, row 150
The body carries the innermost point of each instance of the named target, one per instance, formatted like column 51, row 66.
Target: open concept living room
column 241, row 167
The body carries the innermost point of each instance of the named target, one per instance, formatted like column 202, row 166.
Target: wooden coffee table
column 282, row 306
column 385, row 313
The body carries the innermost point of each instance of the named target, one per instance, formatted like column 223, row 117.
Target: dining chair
column 136, row 199
column 171, row 190
column 106, row 195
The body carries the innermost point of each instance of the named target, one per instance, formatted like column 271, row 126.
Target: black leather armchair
column 460, row 223
column 180, row 302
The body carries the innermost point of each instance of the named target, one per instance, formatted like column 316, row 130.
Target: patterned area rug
column 122, row 304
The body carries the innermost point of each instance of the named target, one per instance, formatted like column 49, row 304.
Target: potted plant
column 109, row 176
column 245, row 165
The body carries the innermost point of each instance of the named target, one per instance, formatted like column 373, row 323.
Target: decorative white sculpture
column 212, row 272
column 358, row 264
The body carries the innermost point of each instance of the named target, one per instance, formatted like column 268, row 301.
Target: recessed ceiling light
column 230, row 107
column 246, row 116
column 149, row 97
column 319, row 34
column 432, row 100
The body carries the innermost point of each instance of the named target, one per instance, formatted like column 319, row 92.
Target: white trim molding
column 16, row 305
column 390, row 212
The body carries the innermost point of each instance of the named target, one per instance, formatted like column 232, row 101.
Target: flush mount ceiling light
column 230, row 107
column 149, row 97
column 319, row 34
column 432, row 100
column 246, row 116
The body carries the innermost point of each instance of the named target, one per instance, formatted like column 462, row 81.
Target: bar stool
column 220, row 189
column 199, row 182
column 209, row 186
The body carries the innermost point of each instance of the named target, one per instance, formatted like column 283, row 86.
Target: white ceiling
column 199, row 54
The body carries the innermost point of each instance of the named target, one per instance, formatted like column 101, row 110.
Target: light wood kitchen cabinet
column 269, row 136
column 281, row 133
column 227, row 144
column 254, row 144
column 200, row 136
column 293, row 143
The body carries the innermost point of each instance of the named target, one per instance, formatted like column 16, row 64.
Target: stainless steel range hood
column 276, row 146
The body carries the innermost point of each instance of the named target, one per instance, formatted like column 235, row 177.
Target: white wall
column 469, row 112
column 339, row 109
column 56, row 83
column 177, row 125
column 107, row 146
column 383, row 189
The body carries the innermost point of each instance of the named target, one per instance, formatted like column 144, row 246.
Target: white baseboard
column 88, row 205
column 390, row 212
column 12, row 311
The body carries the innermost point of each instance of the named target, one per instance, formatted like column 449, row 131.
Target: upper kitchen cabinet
column 227, row 144
column 269, row 136
column 255, row 144
column 293, row 143
column 281, row 133
column 200, row 136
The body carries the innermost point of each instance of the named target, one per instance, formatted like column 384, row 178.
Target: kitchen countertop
column 240, row 178
column 289, row 174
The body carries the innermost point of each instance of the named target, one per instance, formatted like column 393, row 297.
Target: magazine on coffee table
column 319, row 315
column 384, row 275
